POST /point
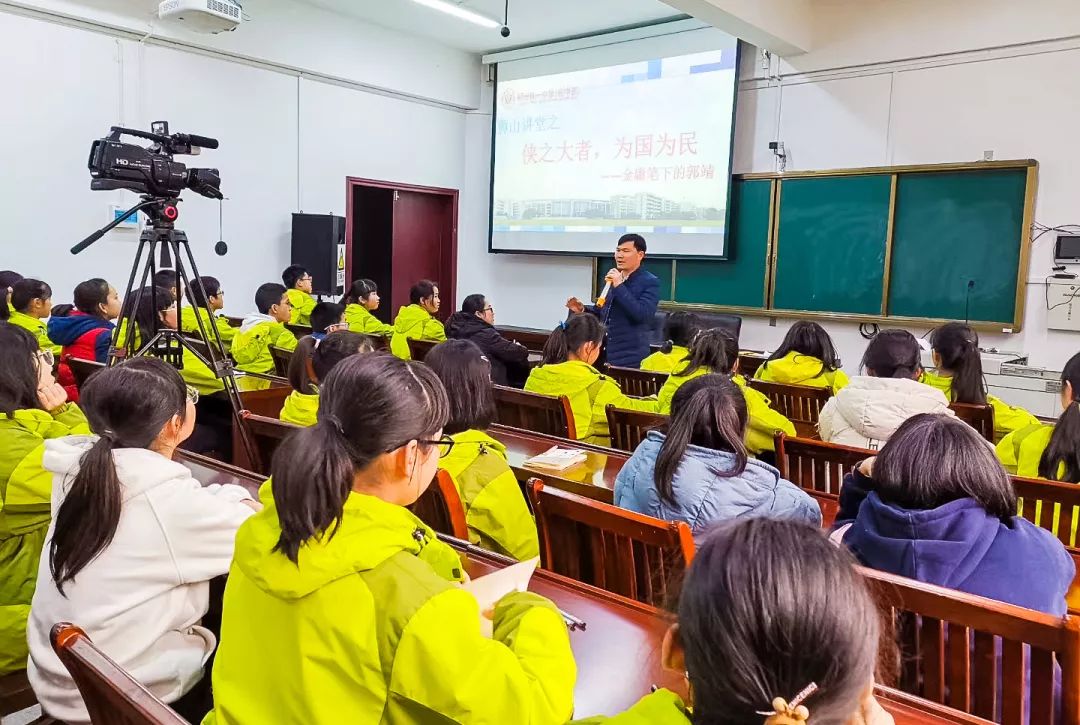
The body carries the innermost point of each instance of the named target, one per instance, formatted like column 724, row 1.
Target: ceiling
column 531, row 21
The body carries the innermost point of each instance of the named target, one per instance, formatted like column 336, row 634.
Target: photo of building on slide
column 641, row 146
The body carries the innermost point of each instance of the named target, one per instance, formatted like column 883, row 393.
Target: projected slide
column 585, row 156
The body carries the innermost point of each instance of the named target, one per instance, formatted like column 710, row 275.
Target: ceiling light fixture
column 459, row 12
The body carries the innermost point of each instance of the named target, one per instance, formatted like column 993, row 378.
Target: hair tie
column 790, row 713
column 562, row 324
column 107, row 435
column 333, row 421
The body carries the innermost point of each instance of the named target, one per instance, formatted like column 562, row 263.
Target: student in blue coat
column 936, row 506
column 699, row 470
column 630, row 306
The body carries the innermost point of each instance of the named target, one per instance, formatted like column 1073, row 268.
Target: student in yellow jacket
column 1049, row 451
column 368, row 624
column 206, row 309
column 737, row 606
column 679, row 329
column 298, row 285
column 360, row 301
column 33, row 409
column 31, row 304
column 495, row 509
column 805, row 357
column 567, row 369
column 417, row 321
column 251, row 346
column 959, row 375
column 715, row 351
column 311, row 362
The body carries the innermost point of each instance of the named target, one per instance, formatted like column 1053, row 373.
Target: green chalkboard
column 739, row 281
column 952, row 229
column 830, row 244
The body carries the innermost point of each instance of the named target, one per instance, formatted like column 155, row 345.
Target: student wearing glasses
column 33, row 409
column 476, row 323
column 368, row 622
column 207, row 309
column 298, row 286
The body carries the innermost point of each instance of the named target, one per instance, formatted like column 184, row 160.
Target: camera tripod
column 167, row 344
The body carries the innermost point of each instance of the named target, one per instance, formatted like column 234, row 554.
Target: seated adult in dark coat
column 476, row 322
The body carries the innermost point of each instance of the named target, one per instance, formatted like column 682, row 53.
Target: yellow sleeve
column 302, row 305
column 434, row 331
column 840, row 381
column 1009, row 418
column 445, row 666
column 285, row 339
column 763, row 422
column 1006, row 451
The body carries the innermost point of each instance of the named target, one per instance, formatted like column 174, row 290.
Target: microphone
column 201, row 141
column 221, row 248
column 603, row 295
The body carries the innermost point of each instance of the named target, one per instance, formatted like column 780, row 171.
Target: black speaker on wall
column 318, row 243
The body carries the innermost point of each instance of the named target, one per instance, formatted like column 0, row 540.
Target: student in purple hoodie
column 936, row 506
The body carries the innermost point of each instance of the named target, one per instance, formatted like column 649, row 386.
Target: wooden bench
column 749, row 364
column 531, row 339
column 531, row 411
column 818, row 468
column 609, row 547
column 111, row 695
column 282, row 358
column 637, row 383
column 15, row 693
column 972, row 654
column 800, row 404
column 82, row 370
column 266, row 434
column 629, row 427
column 420, row 348
column 979, row 417
column 440, row 507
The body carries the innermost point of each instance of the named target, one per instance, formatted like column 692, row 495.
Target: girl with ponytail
column 360, row 301
column 311, row 362
column 679, row 329
column 698, row 469
column 368, row 622
column 31, row 305
column 33, row 409
column 715, row 351
column 958, row 374
column 135, row 540
column 1049, row 451
column 567, row 369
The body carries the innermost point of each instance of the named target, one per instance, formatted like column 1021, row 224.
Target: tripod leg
column 120, row 349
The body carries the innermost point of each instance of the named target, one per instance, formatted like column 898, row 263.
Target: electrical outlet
column 988, row 155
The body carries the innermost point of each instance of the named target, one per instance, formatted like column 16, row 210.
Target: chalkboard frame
column 777, row 179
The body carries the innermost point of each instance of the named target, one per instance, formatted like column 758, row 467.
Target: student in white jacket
column 133, row 543
column 868, row 411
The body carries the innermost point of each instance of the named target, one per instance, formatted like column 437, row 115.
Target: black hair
column 769, row 606
column 168, row 279
column 466, row 375
column 1064, row 446
column 570, row 336
column 368, row 405
column 709, row 411
column 809, row 339
column 8, row 278
column 713, row 349
column 267, row 296
column 127, row 406
column 89, row 295
column 893, row 354
column 360, row 290
column 325, row 314
column 679, row 329
column 473, row 304
column 26, row 291
column 637, row 239
column 958, row 346
column 933, row 459
column 421, row 291
column 18, row 370
column 212, row 287
column 152, row 302
column 313, row 360
column 292, row 275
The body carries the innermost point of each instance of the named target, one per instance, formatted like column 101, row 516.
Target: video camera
column 117, row 165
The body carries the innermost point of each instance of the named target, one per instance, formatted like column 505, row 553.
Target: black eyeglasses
column 444, row 444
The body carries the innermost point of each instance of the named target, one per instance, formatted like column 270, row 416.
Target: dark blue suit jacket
column 629, row 316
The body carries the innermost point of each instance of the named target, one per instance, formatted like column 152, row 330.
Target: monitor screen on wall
column 632, row 137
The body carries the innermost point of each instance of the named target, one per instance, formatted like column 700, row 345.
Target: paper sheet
column 492, row 587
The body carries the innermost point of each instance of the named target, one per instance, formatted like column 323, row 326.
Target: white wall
column 858, row 100
column 287, row 141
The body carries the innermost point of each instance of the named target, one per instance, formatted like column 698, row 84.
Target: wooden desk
column 207, row 471
column 531, row 338
column 595, row 478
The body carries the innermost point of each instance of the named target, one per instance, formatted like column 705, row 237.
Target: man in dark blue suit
column 630, row 305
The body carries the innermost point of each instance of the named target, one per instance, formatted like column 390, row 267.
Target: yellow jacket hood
column 409, row 317
column 567, row 378
column 798, row 369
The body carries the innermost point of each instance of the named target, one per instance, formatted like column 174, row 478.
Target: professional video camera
column 151, row 171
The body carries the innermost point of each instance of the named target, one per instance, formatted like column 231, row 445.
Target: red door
column 424, row 240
